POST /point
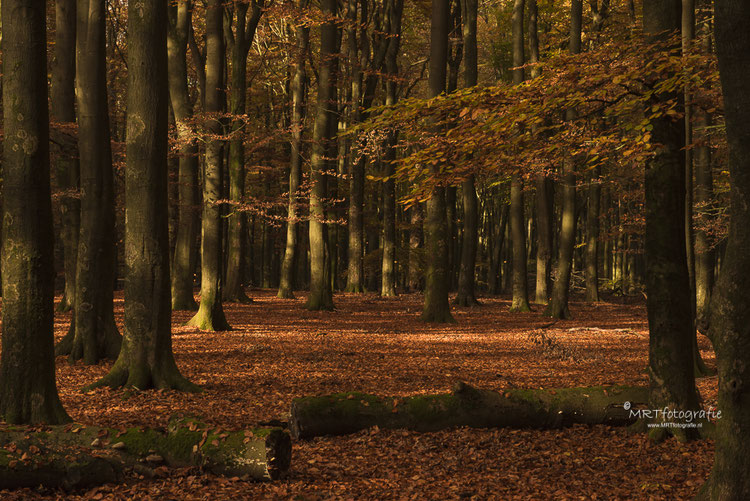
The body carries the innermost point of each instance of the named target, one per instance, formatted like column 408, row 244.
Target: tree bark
column 669, row 301
column 321, row 296
column 704, row 196
column 146, row 359
column 93, row 334
column 518, row 231
column 299, row 87
column 241, row 42
column 592, row 238
column 210, row 315
column 437, row 274
column 27, row 364
column 67, row 170
column 186, row 248
column 520, row 301
column 416, row 237
column 388, row 267
column 730, row 306
column 558, row 306
column 346, row 413
column 466, row 275
column 688, row 34
column 260, row 454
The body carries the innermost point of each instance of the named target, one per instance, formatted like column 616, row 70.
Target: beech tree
column 466, row 296
column 671, row 328
column 188, row 221
column 210, row 315
column 93, row 334
column 239, row 44
column 146, row 359
column 321, row 296
column 517, row 228
column 299, row 91
column 437, row 274
column 394, row 12
column 730, row 306
column 28, row 393
column 63, row 111
column 558, row 306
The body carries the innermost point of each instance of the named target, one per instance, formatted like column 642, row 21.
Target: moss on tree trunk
column 78, row 456
column 344, row 413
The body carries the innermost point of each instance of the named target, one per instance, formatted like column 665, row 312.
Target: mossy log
column 344, row 413
column 77, row 456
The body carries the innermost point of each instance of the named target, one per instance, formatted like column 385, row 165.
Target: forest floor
column 278, row 351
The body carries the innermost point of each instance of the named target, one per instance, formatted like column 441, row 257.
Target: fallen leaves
column 375, row 346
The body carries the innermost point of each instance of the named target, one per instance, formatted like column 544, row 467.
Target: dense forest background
column 282, row 166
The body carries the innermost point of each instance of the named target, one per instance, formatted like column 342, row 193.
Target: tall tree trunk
column 93, row 334
column 299, row 85
column 466, row 282
column 437, row 274
column 146, row 359
column 416, row 237
column 241, row 42
column 321, row 296
column 688, row 33
column 667, row 283
column 358, row 54
column 517, row 229
column 388, row 268
column 704, row 251
column 600, row 12
column 544, row 194
column 592, row 237
column 730, row 307
column 210, row 315
column 558, row 306
column 67, row 171
column 27, row 364
column 186, row 248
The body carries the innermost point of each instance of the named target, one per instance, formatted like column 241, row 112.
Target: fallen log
column 73, row 456
column 345, row 413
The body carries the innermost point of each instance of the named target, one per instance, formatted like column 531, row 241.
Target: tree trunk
column 388, row 268
column 210, row 315
column 260, row 454
column 558, row 306
column 186, row 249
column 358, row 55
column 466, row 279
column 27, row 364
column 146, row 359
column 93, row 334
column 437, row 273
column 67, row 170
column 516, row 408
column 299, row 87
column 518, row 231
column 544, row 218
column 544, row 194
column 592, row 238
column 518, row 239
column 241, row 42
column 688, row 33
column 416, row 237
column 321, row 296
column 730, row 306
column 704, row 196
column 667, row 283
